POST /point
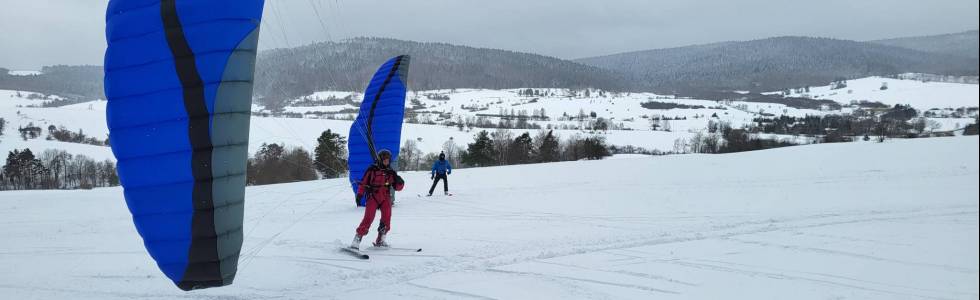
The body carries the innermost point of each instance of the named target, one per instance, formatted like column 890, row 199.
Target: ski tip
column 356, row 252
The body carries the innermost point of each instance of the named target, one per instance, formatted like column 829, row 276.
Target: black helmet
column 384, row 153
column 442, row 155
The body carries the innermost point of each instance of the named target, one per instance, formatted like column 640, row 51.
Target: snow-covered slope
column 920, row 95
column 17, row 111
column 23, row 72
column 894, row 220
column 302, row 132
column 561, row 106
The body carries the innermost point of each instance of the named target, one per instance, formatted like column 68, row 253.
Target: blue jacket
column 442, row 167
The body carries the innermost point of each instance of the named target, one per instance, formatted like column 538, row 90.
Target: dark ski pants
column 369, row 211
column 445, row 183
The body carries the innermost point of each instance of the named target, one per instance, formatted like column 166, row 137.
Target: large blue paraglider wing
column 178, row 78
column 379, row 121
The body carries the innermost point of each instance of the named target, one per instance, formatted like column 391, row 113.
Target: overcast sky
column 34, row 33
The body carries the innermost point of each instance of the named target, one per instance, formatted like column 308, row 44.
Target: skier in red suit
column 378, row 184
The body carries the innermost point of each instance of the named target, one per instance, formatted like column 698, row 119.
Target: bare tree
column 934, row 125
column 501, row 144
column 409, row 156
column 453, row 152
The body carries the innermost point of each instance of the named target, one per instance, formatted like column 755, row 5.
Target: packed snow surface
column 893, row 220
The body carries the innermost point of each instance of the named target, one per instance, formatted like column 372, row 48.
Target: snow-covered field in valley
column 893, row 220
column 620, row 110
column 920, row 95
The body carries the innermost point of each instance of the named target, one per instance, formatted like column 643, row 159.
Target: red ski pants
column 369, row 210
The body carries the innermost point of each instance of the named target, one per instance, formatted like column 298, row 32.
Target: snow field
column 921, row 95
column 894, row 220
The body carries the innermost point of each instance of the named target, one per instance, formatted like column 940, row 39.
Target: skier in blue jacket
column 440, row 169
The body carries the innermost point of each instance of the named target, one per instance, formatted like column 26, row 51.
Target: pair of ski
column 420, row 195
column 362, row 255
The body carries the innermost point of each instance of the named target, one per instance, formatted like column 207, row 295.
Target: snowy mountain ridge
column 757, row 65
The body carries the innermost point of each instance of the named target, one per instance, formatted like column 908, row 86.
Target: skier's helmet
column 442, row 156
column 384, row 153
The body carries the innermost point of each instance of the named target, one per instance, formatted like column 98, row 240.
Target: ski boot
column 356, row 244
column 380, row 242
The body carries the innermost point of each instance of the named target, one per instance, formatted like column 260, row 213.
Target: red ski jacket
column 377, row 181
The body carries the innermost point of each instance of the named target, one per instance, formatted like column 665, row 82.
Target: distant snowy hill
column 82, row 83
column 759, row 65
column 964, row 44
column 893, row 220
column 774, row 63
column 345, row 65
column 921, row 95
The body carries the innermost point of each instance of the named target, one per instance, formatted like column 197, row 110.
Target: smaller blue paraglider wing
column 379, row 121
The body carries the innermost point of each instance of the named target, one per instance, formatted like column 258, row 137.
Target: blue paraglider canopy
column 379, row 121
column 178, row 79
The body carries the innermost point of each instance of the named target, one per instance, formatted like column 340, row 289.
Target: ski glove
column 399, row 180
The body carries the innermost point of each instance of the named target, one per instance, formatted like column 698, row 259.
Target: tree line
column 899, row 121
column 55, row 169
column 276, row 163
column 727, row 140
column 502, row 147
column 60, row 133
column 57, row 133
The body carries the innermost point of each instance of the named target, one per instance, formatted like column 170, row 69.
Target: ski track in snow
column 845, row 222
